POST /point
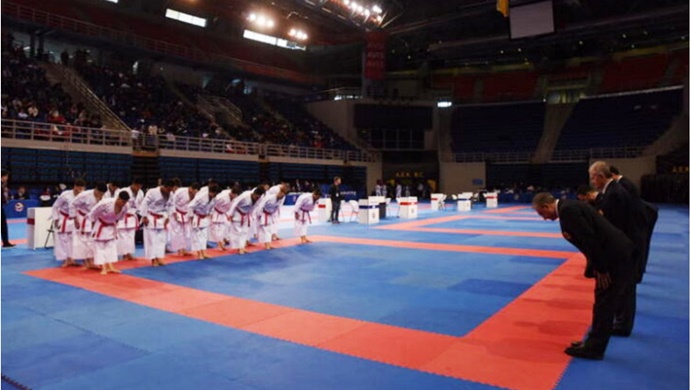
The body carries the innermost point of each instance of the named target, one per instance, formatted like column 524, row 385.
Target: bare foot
column 117, row 271
column 154, row 263
column 104, row 271
column 161, row 262
column 242, row 251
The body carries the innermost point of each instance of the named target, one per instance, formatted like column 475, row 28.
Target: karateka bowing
column 80, row 207
column 254, row 226
column 266, row 214
column 154, row 213
column 284, row 187
column 63, row 223
column 200, row 209
column 304, row 205
column 220, row 217
column 128, row 225
column 180, row 222
column 105, row 216
column 241, row 215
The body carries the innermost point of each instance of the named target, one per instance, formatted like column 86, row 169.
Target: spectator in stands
column 22, row 194
column 46, row 197
column 5, row 232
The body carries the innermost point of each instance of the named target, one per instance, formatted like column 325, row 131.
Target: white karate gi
column 63, row 225
column 266, row 215
column 105, row 230
column 200, row 209
column 303, row 206
column 155, row 208
column 128, row 225
column 272, row 191
column 241, row 213
column 80, row 207
column 219, row 217
column 180, row 221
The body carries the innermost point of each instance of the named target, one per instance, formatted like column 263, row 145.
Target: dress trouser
column 606, row 301
column 335, row 211
column 5, row 233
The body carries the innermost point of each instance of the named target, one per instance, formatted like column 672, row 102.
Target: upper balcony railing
column 38, row 131
column 557, row 156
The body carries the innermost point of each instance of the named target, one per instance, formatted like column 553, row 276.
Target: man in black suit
column 5, row 232
column 334, row 194
column 609, row 255
column 625, row 213
column 650, row 211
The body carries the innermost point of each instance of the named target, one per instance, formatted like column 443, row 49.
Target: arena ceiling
column 469, row 32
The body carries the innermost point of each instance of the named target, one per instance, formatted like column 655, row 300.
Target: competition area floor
column 476, row 300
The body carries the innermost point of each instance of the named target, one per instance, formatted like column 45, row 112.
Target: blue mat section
column 82, row 340
column 491, row 287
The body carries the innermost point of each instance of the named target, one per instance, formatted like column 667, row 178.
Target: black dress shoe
column 8, row 245
column 583, row 352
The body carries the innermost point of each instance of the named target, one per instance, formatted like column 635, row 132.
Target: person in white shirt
column 128, row 225
column 105, row 216
column 266, row 212
column 80, row 207
column 63, row 223
column 240, row 213
column 113, row 188
column 220, row 219
column 154, row 218
column 285, row 188
column 180, row 221
column 200, row 209
column 303, row 206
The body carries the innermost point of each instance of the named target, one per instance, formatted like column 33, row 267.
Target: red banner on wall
column 375, row 56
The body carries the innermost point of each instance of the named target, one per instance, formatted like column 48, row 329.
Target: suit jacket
column 629, row 186
column 606, row 248
column 623, row 211
column 334, row 193
column 650, row 211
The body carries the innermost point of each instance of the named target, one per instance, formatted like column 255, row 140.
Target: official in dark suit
column 626, row 213
column 609, row 256
column 334, row 194
column 650, row 214
column 5, row 232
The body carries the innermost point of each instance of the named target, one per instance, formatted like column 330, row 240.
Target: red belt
column 183, row 213
column 266, row 216
column 128, row 216
column 156, row 217
column 244, row 216
column 65, row 218
column 83, row 221
column 201, row 216
column 102, row 224
column 305, row 212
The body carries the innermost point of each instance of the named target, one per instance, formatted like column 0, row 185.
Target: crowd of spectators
column 27, row 95
column 318, row 135
column 147, row 105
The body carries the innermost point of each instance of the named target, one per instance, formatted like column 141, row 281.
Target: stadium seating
column 619, row 121
column 498, row 128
